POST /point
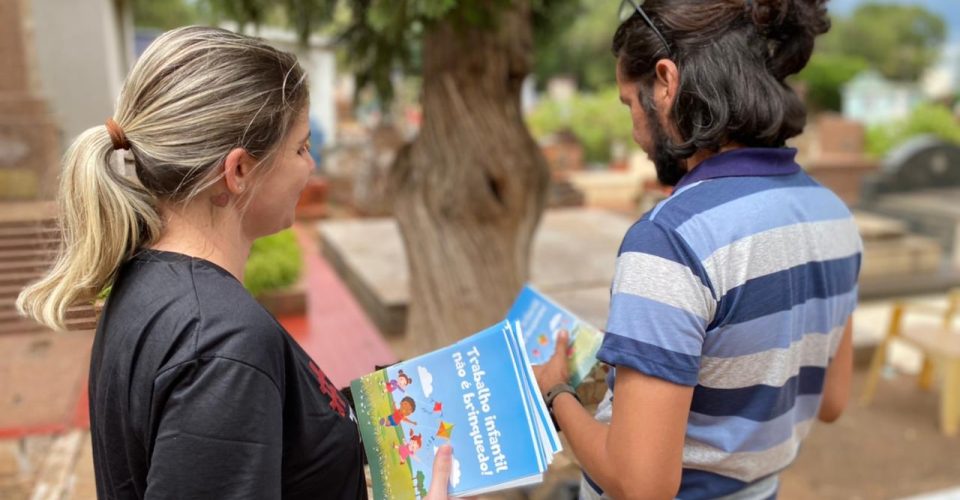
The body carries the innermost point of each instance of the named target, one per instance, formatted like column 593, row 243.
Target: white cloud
column 426, row 381
column 455, row 473
column 555, row 322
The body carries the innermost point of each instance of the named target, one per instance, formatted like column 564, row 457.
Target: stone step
column 29, row 326
column 74, row 314
column 20, row 277
column 9, row 292
column 29, row 231
column 36, row 263
column 25, row 213
column 28, row 223
column 29, row 244
column 27, row 254
column 8, row 313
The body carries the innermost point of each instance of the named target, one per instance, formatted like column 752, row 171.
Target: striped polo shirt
column 739, row 284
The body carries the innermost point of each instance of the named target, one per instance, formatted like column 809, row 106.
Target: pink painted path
column 337, row 333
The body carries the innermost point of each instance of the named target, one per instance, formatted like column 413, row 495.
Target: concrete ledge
column 574, row 252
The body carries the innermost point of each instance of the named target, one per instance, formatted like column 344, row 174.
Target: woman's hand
column 555, row 371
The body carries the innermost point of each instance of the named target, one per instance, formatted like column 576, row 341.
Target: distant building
column 872, row 99
column 942, row 81
column 83, row 51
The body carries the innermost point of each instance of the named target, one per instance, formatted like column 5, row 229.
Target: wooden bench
column 940, row 346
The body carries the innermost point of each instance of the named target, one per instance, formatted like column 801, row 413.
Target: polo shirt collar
column 744, row 162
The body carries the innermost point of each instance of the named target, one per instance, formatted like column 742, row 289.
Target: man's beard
column 670, row 169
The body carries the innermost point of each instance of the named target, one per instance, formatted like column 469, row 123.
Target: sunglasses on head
column 629, row 7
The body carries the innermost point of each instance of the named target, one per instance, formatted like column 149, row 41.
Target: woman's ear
column 667, row 84
column 237, row 169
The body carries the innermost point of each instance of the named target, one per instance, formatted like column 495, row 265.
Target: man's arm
column 836, row 385
column 639, row 455
column 660, row 305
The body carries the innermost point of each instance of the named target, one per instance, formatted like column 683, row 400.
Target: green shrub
column 927, row 119
column 599, row 120
column 275, row 263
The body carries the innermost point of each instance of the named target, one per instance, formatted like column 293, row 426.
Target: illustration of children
column 402, row 381
column 407, row 406
column 408, row 449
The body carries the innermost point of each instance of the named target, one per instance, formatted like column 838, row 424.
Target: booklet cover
column 542, row 319
column 478, row 395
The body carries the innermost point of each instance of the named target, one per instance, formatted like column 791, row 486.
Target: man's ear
column 237, row 169
column 667, row 84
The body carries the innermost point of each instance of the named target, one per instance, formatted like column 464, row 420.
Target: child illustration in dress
column 408, row 449
column 402, row 414
column 401, row 382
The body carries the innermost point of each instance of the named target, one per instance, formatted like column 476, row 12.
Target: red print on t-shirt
column 336, row 401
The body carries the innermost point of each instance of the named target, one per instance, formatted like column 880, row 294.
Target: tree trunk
column 469, row 191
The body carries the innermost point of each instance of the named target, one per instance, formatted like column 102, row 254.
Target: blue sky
column 949, row 10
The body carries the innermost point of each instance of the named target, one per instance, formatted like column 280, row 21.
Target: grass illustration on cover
column 542, row 320
column 478, row 395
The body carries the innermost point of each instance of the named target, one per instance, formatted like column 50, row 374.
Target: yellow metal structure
column 941, row 353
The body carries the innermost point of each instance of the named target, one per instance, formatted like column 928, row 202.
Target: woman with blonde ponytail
column 195, row 390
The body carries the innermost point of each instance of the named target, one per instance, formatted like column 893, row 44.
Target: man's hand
column 442, row 464
column 555, row 371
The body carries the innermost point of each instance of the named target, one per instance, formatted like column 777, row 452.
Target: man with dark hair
column 729, row 326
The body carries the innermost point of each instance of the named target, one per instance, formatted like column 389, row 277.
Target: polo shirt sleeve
column 660, row 305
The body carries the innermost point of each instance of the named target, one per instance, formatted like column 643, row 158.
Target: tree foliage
column 580, row 49
column 382, row 37
column 899, row 41
column 163, row 15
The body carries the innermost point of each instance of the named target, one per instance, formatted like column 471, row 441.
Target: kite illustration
column 445, row 429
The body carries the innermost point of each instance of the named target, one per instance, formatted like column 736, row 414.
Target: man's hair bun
column 790, row 26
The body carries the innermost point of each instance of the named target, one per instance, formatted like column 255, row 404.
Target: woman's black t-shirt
column 197, row 392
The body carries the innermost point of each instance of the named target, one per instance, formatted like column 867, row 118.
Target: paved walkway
column 338, row 334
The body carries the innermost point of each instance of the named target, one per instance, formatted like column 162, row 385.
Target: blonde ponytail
column 194, row 95
column 104, row 218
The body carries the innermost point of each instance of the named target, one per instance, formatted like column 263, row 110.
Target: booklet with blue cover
column 479, row 395
column 541, row 320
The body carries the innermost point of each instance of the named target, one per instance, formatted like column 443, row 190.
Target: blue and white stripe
column 740, row 286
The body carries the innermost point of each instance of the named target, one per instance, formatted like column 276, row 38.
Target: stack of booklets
column 478, row 395
column 542, row 320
